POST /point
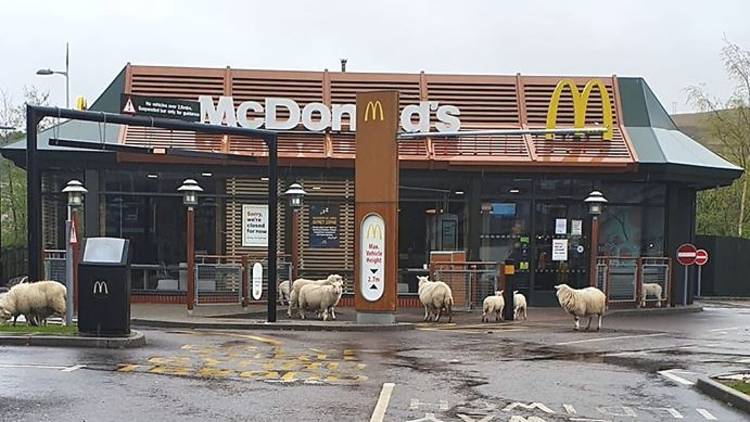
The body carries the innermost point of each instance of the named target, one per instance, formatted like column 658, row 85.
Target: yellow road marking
column 128, row 368
column 289, row 376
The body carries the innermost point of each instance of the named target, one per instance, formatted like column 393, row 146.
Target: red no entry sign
column 686, row 254
column 701, row 257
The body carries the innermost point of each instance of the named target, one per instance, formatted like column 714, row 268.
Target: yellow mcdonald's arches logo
column 580, row 104
column 81, row 103
column 100, row 287
column 374, row 231
column 374, row 108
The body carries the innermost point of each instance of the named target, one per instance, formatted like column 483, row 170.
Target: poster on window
column 561, row 226
column 255, row 225
column 559, row 249
column 576, row 227
column 324, row 226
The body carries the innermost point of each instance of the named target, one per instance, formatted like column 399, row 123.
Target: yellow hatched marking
column 252, row 374
column 333, row 366
column 271, row 375
column 289, row 377
column 170, row 370
column 314, row 365
column 312, row 379
column 214, row 372
column 128, row 368
column 290, row 365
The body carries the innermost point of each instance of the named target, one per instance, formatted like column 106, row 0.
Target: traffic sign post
column 701, row 258
column 686, row 254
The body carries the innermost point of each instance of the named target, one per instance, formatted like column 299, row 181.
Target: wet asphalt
column 638, row 368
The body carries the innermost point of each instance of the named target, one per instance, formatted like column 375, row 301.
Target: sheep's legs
column 426, row 315
column 333, row 314
column 599, row 323
column 578, row 323
column 438, row 312
column 588, row 326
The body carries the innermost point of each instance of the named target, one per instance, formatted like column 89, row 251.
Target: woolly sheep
column 435, row 296
column 320, row 297
column 493, row 304
column 519, row 306
column 582, row 303
column 301, row 282
column 283, row 292
column 35, row 300
column 651, row 289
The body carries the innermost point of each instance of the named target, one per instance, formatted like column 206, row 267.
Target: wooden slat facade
column 485, row 101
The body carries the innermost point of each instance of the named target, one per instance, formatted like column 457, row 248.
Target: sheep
column 320, row 297
column 653, row 289
column 283, row 292
column 36, row 301
column 301, row 282
column 435, row 296
column 493, row 304
column 519, row 306
column 582, row 303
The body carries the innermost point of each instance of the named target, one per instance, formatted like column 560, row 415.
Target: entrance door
column 561, row 249
column 505, row 234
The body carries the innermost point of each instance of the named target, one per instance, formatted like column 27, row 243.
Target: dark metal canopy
column 34, row 115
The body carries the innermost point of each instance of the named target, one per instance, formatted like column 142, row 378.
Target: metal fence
column 470, row 281
column 622, row 279
column 218, row 279
column 54, row 265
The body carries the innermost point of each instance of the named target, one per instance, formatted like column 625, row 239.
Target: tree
column 12, row 178
column 730, row 125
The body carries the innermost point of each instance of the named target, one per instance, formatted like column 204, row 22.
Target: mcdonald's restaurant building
column 475, row 200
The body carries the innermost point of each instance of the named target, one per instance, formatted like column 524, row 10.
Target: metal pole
column 190, row 241
column 685, row 287
column 67, row 77
column 68, row 271
column 33, row 197
column 594, row 249
column 295, row 242
column 700, row 268
column 509, row 271
column 273, row 183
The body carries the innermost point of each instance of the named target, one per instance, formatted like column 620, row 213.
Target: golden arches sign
column 374, row 109
column 374, row 231
column 580, row 104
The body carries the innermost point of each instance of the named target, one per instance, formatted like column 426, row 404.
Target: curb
column 136, row 339
column 721, row 392
column 400, row 326
column 657, row 311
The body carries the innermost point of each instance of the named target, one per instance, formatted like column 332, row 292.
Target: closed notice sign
column 255, row 225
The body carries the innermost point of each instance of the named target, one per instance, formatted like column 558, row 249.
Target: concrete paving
column 637, row 368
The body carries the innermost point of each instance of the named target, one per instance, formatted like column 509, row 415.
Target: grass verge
column 49, row 330
column 740, row 386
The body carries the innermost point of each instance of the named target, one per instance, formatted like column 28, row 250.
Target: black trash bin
column 104, row 287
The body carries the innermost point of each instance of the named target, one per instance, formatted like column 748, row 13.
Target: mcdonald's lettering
column 100, row 288
column 286, row 114
column 374, row 111
column 580, row 104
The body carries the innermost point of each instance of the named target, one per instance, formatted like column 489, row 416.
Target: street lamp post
column 596, row 202
column 66, row 73
column 190, row 189
column 75, row 191
column 295, row 195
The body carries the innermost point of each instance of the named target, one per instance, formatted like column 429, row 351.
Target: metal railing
column 54, row 264
column 218, row 279
column 622, row 278
column 470, row 281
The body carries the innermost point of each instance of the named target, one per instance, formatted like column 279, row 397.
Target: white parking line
column 725, row 329
column 706, row 414
column 59, row 368
column 382, row 405
column 73, row 368
column 593, row 340
column 668, row 374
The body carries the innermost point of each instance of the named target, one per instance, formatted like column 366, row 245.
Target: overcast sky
column 673, row 44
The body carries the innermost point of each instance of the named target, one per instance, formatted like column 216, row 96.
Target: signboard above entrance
column 168, row 108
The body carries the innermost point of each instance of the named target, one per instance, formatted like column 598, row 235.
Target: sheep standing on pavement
column 493, row 305
column 519, row 306
column 651, row 289
column 320, row 297
column 582, row 303
column 34, row 300
column 283, row 292
column 300, row 283
column 435, row 296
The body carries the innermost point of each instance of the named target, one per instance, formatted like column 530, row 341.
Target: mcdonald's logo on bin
column 374, row 231
column 580, row 104
column 374, row 109
column 100, row 288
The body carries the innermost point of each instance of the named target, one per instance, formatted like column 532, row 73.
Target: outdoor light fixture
column 152, row 176
column 515, row 190
column 596, row 201
column 207, row 174
column 295, row 194
column 459, row 192
column 66, row 73
column 264, row 179
column 190, row 189
column 75, row 191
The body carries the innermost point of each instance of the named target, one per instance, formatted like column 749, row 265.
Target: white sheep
column 35, row 300
column 651, row 289
column 582, row 303
column 519, row 306
column 435, row 296
column 283, row 292
column 320, row 297
column 300, row 283
column 493, row 304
